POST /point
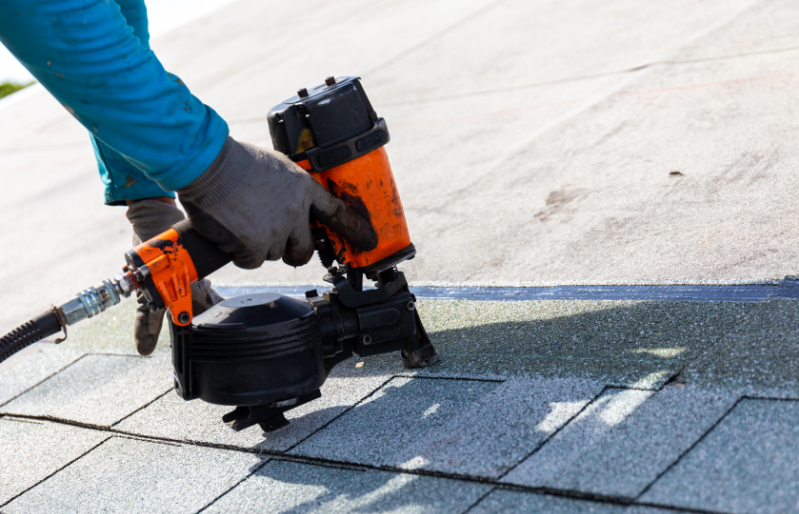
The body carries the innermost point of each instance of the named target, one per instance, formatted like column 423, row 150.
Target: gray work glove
column 150, row 218
column 256, row 204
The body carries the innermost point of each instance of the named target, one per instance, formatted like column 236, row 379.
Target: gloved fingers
column 243, row 257
column 221, row 236
column 247, row 261
column 342, row 219
column 203, row 296
column 147, row 326
column 150, row 217
column 277, row 250
column 300, row 245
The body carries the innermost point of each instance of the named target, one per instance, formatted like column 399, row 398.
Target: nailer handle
column 206, row 256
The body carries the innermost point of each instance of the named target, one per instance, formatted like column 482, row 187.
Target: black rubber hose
column 44, row 325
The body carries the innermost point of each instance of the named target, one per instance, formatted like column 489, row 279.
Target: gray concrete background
column 533, row 144
column 532, row 141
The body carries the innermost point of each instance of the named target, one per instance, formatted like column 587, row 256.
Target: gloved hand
column 256, row 204
column 150, row 218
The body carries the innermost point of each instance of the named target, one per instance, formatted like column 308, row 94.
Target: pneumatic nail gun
column 268, row 353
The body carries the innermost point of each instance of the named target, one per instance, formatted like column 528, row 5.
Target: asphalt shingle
column 637, row 344
column 395, row 425
column 128, row 475
column 567, row 447
column 453, row 426
column 30, row 366
column 98, row 389
column 760, row 353
column 649, row 441
column 172, row 418
column 632, row 454
column 500, row 429
column 282, row 486
column 746, row 464
column 509, row 501
column 31, row 451
column 500, row 501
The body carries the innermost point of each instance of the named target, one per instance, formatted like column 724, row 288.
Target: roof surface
column 534, row 144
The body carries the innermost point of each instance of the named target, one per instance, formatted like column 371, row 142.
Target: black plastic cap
column 322, row 117
column 257, row 311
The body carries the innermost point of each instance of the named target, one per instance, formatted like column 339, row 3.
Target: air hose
column 86, row 304
column 43, row 325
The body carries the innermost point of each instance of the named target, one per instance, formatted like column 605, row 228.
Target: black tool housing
column 268, row 353
column 330, row 124
column 249, row 350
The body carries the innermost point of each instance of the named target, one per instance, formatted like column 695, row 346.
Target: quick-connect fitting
column 94, row 300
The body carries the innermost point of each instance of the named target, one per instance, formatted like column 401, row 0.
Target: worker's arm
column 253, row 203
column 88, row 57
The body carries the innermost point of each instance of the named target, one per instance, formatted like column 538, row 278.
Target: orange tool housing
column 332, row 132
column 367, row 184
column 165, row 271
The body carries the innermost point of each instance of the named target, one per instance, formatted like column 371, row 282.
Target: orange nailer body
column 169, row 270
column 164, row 269
column 367, row 184
column 332, row 132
